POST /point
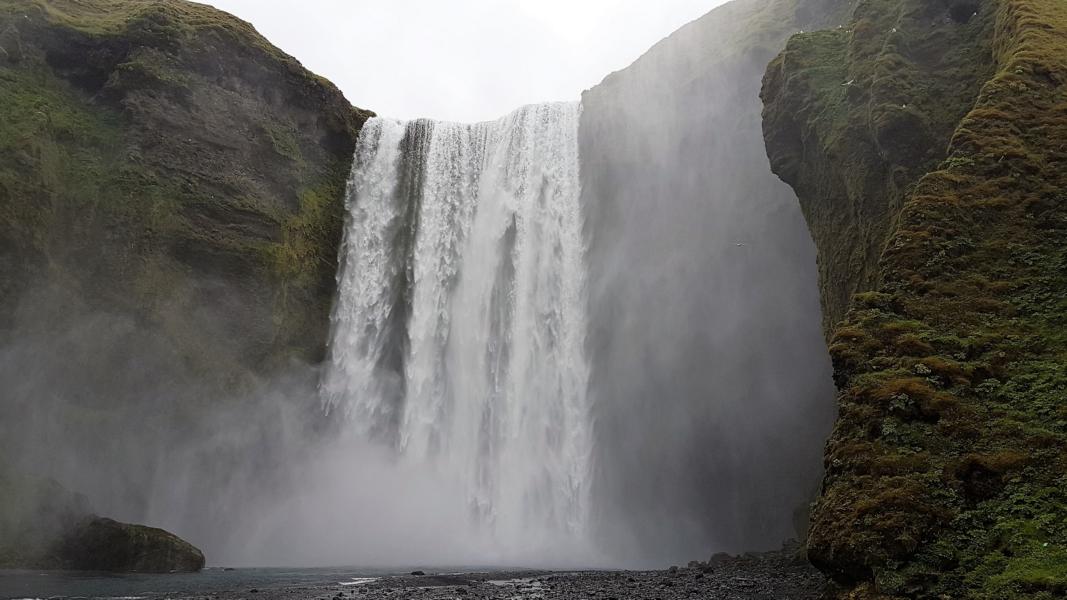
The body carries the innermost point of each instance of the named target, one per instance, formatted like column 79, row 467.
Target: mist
column 251, row 482
column 711, row 382
column 668, row 325
column 255, row 477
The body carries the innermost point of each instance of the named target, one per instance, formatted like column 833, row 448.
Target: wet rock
column 99, row 544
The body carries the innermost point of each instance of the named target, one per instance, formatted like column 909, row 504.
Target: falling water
column 460, row 323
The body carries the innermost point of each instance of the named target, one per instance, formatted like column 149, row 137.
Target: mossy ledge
column 159, row 158
column 926, row 141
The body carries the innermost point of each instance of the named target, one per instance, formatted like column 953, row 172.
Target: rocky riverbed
column 776, row 575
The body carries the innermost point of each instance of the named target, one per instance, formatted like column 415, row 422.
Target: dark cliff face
column 926, row 143
column 711, row 384
column 162, row 160
column 171, row 204
column 857, row 114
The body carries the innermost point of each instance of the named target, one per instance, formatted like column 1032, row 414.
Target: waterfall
column 459, row 329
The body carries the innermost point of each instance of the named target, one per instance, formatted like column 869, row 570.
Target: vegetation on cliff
column 947, row 469
column 158, row 156
column 857, row 114
column 171, row 204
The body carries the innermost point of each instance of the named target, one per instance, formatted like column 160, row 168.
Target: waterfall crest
column 459, row 329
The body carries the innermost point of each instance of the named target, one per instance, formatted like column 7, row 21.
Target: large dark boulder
column 45, row 525
column 99, row 544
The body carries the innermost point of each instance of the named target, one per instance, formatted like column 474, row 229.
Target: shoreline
column 764, row 576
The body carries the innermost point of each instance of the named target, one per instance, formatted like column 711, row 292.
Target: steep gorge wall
column 858, row 113
column 161, row 159
column 926, row 141
column 171, row 190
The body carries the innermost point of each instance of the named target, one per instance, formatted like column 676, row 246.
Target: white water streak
column 460, row 326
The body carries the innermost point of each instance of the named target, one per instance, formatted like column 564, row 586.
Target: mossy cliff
column 857, row 114
column 927, row 141
column 171, row 205
column 159, row 158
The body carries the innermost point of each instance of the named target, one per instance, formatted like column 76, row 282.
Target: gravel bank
column 775, row 575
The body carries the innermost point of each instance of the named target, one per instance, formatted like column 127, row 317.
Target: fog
column 710, row 379
column 102, row 404
column 709, row 382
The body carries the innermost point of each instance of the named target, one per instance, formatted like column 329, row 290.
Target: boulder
column 100, row 544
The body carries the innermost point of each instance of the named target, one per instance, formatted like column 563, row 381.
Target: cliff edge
column 160, row 158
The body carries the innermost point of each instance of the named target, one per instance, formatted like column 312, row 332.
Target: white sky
column 464, row 60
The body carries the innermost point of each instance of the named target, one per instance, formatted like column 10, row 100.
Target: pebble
column 748, row 577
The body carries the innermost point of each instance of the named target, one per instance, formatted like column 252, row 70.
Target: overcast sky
column 464, row 60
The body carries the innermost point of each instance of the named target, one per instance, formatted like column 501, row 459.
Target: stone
column 100, row 544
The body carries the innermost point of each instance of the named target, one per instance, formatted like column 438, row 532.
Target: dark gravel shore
column 775, row 575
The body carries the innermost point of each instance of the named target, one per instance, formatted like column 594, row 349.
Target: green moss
column 285, row 144
column 152, row 174
column 947, row 474
column 856, row 115
column 301, row 266
column 99, row 544
column 1041, row 571
column 131, row 169
column 172, row 21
